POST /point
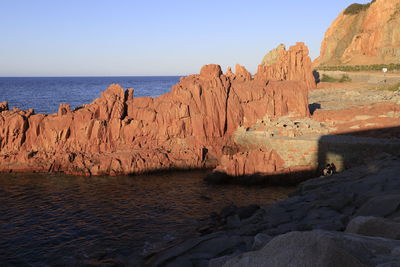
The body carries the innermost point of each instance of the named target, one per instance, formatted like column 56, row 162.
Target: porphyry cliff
column 281, row 64
column 363, row 35
column 189, row 127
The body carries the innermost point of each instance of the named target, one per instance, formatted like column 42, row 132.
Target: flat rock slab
column 373, row 226
column 380, row 206
column 320, row 248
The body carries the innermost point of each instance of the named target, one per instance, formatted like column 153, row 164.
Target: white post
column 384, row 70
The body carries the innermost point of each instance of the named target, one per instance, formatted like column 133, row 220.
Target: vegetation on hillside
column 392, row 87
column 345, row 78
column 329, row 79
column 396, row 13
column 375, row 67
column 356, row 8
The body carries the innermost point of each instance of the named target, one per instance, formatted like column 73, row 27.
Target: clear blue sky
column 128, row 37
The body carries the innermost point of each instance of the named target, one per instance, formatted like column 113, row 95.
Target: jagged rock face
column 282, row 65
column 371, row 36
column 120, row 134
column 3, row 106
column 258, row 161
column 272, row 56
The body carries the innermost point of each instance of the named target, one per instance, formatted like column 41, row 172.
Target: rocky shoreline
column 187, row 128
column 274, row 127
column 348, row 219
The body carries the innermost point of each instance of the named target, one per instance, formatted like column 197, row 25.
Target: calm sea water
column 59, row 220
column 49, row 220
column 44, row 94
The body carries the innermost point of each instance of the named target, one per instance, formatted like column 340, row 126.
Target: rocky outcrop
column 321, row 248
column 260, row 161
column 3, row 106
column 348, row 125
column 293, row 64
column 374, row 226
column 307, row 229
column 120, row 134
column 363, row 35
column 272, row 56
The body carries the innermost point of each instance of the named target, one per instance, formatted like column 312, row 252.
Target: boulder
column 325, row 205
column 260, row 240
column 247, row 211
column 218, row 262
column 201, row 249
column 373, row 226
column 380, row 206
column 210, row 71
column 319, row 248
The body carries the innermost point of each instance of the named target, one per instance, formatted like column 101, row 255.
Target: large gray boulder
column 322, row 204
column 380, row 206
column 373, row 226
column 320, row 248
column 198, row 251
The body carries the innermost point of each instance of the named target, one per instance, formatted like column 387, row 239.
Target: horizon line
column 94, row 76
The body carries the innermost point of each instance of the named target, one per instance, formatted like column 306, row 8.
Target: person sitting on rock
column 329, row 170
column 333, row 168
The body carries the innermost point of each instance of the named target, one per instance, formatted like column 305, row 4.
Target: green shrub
column 393, row 87
column 345, row 78
column 396, row 13
column 329, row 79
column 356, row 8
column 375, row 67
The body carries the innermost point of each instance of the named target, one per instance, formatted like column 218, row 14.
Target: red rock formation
column 293, row 64
column 120, row 134
column 357, row 120
column 242, row 74
column 3, row 106
column 369, row 34
column 259, row 161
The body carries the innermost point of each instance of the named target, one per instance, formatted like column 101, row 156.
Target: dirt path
column 336, row 96
column 366, row 77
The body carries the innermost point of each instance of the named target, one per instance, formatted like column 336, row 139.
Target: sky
column 140, row 38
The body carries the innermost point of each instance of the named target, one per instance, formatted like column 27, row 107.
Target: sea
column 49, row 219
column 45, row 94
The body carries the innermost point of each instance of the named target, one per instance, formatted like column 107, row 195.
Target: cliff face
column 117, row 133
column 281, row 64
column 272, row 56
column 369, row 34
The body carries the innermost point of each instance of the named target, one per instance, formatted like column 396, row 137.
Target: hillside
column 363, row 35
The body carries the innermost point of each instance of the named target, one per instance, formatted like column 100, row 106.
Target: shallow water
column 50, row 219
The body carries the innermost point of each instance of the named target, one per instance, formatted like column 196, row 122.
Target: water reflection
column 56, row 219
